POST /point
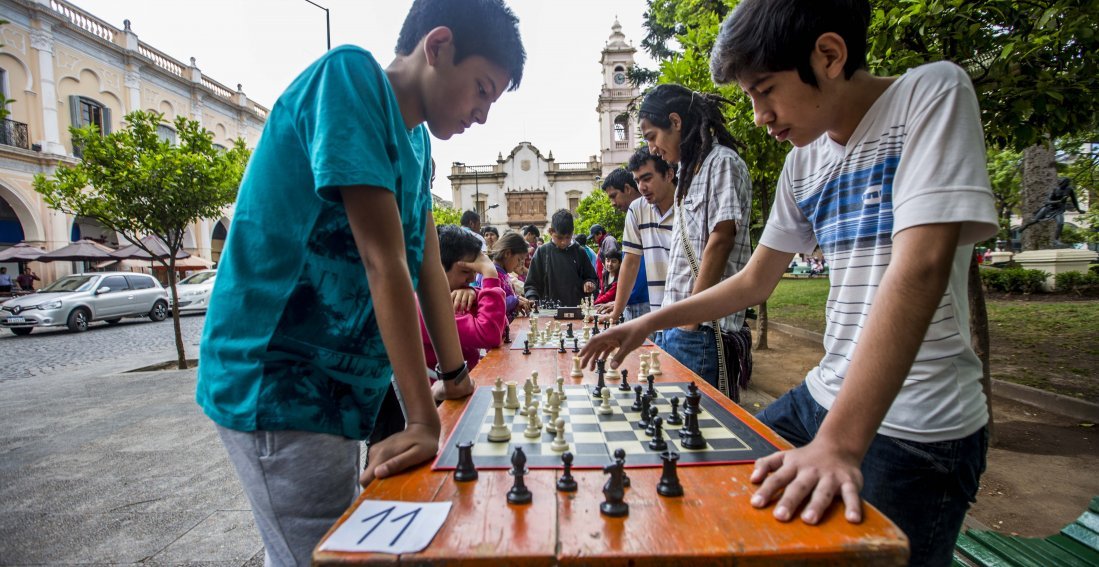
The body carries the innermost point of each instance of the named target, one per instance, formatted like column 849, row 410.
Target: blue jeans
column 925, row 488
column 635, row 310
column 696, row 350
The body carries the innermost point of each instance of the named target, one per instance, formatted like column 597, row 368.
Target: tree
column 596, row 208
column 445, row 215
column 1005, row 172
column 136, row 183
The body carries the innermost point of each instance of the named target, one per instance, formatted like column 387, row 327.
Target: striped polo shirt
column 648, row 234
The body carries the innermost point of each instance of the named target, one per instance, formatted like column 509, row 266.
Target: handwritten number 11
column 411, row 515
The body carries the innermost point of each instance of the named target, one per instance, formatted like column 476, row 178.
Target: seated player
column 560, row 271
column 610, row 278
column 508, row 254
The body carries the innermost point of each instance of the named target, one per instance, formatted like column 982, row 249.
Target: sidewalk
column 97, row 467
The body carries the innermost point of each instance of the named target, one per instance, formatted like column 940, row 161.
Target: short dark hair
column 765, row 36
column 480, row 27
column 488, row 229
column 613, row 255
column 641, row 156
column 581, row 239
column 561, row 223
column 456, row 244
column 531, row 229
column 619, row 179
column 470, row 217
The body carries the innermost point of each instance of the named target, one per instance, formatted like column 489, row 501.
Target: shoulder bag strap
column 722, row 374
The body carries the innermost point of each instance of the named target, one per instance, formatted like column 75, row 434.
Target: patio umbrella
column 133, row 252
column 81, row 251
column 21, row 252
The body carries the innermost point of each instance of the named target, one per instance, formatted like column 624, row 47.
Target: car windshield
column 70, row 283
column 202, row 277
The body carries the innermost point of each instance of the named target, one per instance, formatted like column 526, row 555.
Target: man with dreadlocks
column 713, row 201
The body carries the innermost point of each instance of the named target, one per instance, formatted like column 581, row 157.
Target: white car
column 194, row 291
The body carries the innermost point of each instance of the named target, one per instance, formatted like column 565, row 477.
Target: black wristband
column 453, row 375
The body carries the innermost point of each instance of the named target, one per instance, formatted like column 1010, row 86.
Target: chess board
column 555, row 342
column 593, row 438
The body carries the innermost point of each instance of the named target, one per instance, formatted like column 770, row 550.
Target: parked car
column 194, row 291
column 76, row 300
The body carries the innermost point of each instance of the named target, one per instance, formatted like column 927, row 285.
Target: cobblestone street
column 133, row 341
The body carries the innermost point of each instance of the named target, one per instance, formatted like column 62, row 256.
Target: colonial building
column 526, row 187
column 62, row 66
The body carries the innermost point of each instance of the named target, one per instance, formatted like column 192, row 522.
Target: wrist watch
column 455, row 376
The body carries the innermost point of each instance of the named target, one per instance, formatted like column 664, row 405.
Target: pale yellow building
column 63, row 66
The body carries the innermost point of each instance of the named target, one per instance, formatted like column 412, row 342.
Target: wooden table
column 713, row 523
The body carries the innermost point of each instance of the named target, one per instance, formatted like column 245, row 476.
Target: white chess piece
column 534, row 381
column 554, row 409
column 528, row 396
column 511, row 400
column 654, row 363
column 550, row 394
column 605, row 408
column 499, row 432
column 577, row 371
column 560, row 390
column 533, row 431
column 559, row 444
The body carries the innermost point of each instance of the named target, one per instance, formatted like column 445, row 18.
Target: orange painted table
column 713, row 523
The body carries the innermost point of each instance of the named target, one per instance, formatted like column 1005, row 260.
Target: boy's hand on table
column 815, row 474
column 463, row 299
column 614, row 344
column 448, row 391
column 416, row 444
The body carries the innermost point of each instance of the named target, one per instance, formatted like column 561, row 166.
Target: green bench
column 1076, row 544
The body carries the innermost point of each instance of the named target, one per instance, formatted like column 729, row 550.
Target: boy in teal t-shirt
column 313, row 314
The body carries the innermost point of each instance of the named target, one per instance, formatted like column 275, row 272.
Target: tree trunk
column 978, row 336
column 762, row 327
column 1039, row 178
column 180, row 351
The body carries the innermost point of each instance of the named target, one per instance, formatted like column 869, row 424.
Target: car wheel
column 22, row 331
column 112, row 321
column 159, row 311
column 78, row 320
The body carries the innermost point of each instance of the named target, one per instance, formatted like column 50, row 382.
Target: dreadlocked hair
column 703, row 124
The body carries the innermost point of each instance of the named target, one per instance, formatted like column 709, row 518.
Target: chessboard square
column 586, row 409
column 631, row 447
column 593, row 437
column 582, row 427
column 490, row 449
column 716, row 433
column 679, row 447
column 596, row 449
column 612, row 418
column 584, row 418
column 576, row 402
column 709, row 423
column 620, row 436
column 618, row 426
column 673, row 389
column 732, row 444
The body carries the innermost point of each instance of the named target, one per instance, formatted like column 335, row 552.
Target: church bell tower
column 619, row 135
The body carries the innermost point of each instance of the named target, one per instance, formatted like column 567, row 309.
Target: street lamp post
column 327, row 22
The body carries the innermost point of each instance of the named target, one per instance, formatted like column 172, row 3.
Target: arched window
column 166, row 133
column 84, row 111
column 620, row 124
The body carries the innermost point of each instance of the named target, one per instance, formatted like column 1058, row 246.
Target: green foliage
column 1077, row 282
column 1005, row 171
column 446, row 215
column 1014, row 280
column 596, row 208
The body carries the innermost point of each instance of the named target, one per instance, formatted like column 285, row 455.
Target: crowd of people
column 345, row 341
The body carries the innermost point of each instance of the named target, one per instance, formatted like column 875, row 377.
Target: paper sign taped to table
column 389, row 527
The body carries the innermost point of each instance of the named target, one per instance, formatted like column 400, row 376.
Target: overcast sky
column 264, row 44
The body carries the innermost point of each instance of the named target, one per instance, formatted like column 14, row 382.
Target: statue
column 1054, row 208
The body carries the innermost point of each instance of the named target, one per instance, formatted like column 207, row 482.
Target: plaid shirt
column 721, row 191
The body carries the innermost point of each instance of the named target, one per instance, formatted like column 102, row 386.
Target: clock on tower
column 619, row 78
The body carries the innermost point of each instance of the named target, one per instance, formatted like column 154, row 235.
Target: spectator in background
column 471, row 222
column 560, row 271
column 491, row 235
column 508, row 254
column 26, row 280
column 621, row 188
column 610, row 278
column 605, row 241
column 582, row 240
column 5, row 281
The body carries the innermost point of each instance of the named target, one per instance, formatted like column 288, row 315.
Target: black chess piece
column 625, row 385
column 575, row 344
column 650, row 429
column 637, row 399
column 690, row 435
column 465, row 471
column 620, row 458
column 606, row 324
column 568, row 332
column 519, row 493
column 669, row 479
column 646, row 405
column 595, row 329
column 674, row 419
column 507, row 335
column 600, row 373
column 562, row 347
column 615, row 491
column 651, row 382
column 658, row 443
column 526, row 347
column 566, row 483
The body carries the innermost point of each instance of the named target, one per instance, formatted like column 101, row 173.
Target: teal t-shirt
column 291, row 340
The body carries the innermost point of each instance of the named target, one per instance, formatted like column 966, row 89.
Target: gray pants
column 299, row 483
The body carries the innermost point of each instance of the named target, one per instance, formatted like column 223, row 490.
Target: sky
column 264, row 44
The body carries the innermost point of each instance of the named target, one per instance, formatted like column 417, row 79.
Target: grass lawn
column 1045, row 342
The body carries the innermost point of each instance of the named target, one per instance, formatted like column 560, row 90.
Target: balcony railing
column 14, row 133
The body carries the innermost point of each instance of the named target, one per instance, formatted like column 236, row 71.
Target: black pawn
column 620, row 458
column 562, row 347
column 507, row 335
column 669, row 480
column 526, row 347
column 519, row 493
column 658, row 443
column 637, row 401
column 646, row 405
column 466, row 471
column 566, row 483
column 625, row 385
column 674, row 419
column 651, row 381
column 650, row 429
column 615, row 492
column 575, row 344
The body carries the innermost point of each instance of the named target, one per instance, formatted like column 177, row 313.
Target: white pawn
column 613, row 375
column 559, row 444
column 534, row 380
column 560, row 390
column 554, row 410
column 528, row 396
column 549, row 400
column 577, row 371
column 537, row 418
column 605, row 408
column 532, row 431
column 511, row 400
column 643, row 369
column 654, row 363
